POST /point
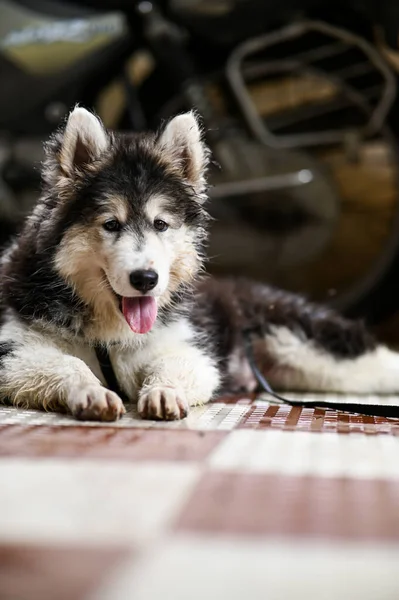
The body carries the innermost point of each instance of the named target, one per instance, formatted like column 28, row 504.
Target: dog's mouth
column 140, row 312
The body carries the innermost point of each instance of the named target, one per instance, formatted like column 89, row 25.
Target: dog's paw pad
column 165, row 403
column 96, row 403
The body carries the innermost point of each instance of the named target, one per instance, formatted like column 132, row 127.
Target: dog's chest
column 88, row 355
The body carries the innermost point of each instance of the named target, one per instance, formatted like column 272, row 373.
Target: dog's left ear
column 183, row 145
column 83, row 141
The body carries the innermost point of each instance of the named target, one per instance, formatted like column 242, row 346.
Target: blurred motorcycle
column 299, row 107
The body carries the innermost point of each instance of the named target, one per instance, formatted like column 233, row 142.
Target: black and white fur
column 64, row 277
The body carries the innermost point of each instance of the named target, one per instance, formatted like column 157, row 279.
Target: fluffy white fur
column 299, row 365
column 163, row 371
column 169, row 368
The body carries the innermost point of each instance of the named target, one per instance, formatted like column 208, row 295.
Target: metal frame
column 235, row 77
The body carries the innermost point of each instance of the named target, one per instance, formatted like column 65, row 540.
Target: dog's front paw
column 162, row 402
column 95, row 403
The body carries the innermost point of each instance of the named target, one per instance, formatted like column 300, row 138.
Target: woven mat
column 242, row 498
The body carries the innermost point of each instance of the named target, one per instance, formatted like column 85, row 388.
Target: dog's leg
column 176, row 378
column 291, row 360
column 36, row 374
column 169, row 374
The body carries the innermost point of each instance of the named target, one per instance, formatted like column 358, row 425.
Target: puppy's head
column 129, row 212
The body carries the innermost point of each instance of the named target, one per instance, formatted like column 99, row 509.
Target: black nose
column 144, row 279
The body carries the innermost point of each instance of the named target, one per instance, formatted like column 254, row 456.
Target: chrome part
column 262, row 184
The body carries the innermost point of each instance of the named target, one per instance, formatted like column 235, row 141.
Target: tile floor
column 242, row 499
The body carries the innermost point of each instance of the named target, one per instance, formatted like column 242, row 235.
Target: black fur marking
column 180, row 302
column 35, row 291
column 134, row 173
column 6, row 349
column 237, row 305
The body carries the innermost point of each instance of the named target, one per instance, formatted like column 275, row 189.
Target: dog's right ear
column 83, row 141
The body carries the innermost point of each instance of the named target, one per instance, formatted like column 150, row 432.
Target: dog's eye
column 160, row 225
column 112, row 225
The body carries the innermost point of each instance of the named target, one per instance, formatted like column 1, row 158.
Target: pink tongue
column 140, row 313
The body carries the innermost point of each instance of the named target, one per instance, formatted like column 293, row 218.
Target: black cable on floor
column 375, row 410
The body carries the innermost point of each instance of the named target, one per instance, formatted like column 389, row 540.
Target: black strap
column 375, row 410
column 108, row 371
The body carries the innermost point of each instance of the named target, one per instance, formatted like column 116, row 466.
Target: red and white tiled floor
column 244, row 499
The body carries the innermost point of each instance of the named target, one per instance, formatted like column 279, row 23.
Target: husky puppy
column 111, row 258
